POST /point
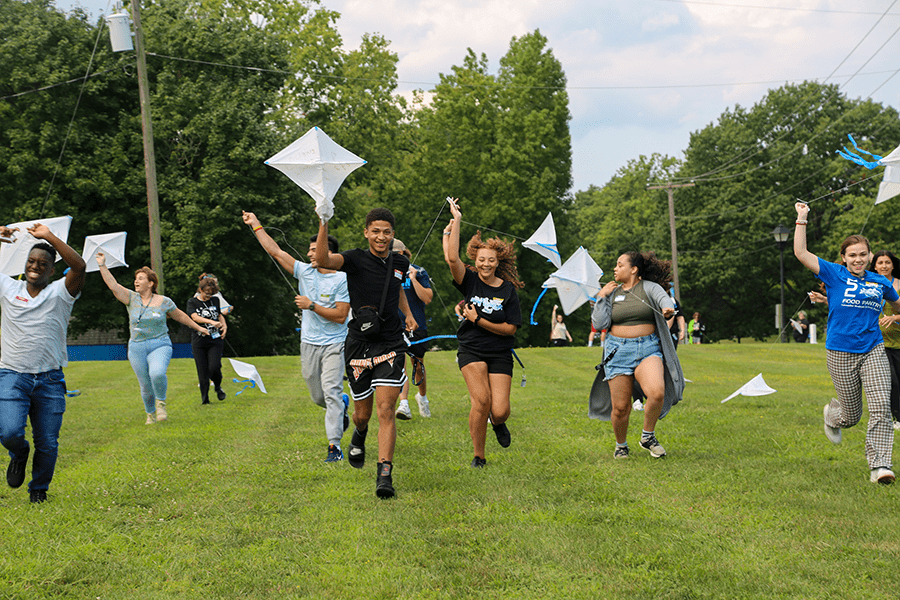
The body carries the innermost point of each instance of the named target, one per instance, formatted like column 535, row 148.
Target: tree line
column 499, row 141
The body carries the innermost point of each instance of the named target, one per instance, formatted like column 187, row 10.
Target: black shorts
column 374, row 364
column 560, row 342
column 496, row 363
column 418, row 350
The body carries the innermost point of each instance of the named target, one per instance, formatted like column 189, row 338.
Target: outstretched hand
column 6, row 234
column 101, row 259
column 802, row 210
column 454, row 207
column 40, row 231
column 249, row 218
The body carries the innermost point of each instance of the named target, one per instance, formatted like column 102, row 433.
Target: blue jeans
column 150, row 361
column 630, row 352
column 42, row 398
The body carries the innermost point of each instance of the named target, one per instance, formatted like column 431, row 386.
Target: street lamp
column 781, row 234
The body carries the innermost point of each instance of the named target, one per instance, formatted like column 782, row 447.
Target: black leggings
column 208, row 358
column 893, row 355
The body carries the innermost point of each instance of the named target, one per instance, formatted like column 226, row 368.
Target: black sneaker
column 220, row 394
column 356, row 456
column 478, row 462
column 384, row 485
column 502, row 433
column 653, row 446
column 38, row 496
column 15, row 473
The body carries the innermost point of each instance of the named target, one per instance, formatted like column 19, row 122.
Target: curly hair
column 506, row 257
column 650, row 268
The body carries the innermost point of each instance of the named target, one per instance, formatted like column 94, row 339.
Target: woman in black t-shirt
column 492, row 315
column 205, row 310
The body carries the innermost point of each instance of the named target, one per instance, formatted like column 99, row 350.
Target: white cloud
column 660, row 22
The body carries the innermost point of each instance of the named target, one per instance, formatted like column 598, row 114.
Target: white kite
column 249, row 371
column 13, row 256
column 318, row 165
column 890, row 184
column 576, row 282
column 111, row 244
column 543, row 241
column 755, row 387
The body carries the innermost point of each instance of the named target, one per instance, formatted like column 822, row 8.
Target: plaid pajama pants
column 852, row 374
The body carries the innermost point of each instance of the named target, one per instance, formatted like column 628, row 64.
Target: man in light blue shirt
column 324, row 298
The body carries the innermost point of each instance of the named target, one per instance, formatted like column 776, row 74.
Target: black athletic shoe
column 220, row 394
column 15, row 473
column 384, row 485
column 38, row 496
column 478, row 462
column 356, row 455
column 502, row 433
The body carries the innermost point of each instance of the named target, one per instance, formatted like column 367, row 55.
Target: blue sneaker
column 334, row 454
column 346, row 400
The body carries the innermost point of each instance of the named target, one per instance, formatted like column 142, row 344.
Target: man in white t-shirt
column 35, row 317
column 326, row 303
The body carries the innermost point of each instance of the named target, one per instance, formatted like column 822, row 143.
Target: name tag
column 619, row 298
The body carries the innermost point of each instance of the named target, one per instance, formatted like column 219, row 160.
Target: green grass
column 234, row 500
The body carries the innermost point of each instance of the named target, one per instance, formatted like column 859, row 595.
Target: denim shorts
column 629, row 353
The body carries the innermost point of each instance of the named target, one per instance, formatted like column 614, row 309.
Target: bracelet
column 257, row 228
column 799, row 222
column 446, row 233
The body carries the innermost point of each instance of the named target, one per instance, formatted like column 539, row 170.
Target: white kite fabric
column 111, row 244
column 249, row 371
column 543, row 241
column 319, row 165
column 14, row 256
column 577, row 281
column 890, row 184
column 755, row 387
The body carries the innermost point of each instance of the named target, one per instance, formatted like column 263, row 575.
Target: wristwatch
column 312, row 306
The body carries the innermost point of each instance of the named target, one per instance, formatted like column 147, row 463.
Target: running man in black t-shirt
column 374, row 363
column 492, row 315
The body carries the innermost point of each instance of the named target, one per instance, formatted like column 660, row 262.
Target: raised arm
column 809, row 260
column 451, row 243
column 324, row 258
column 119, row 291
column 269, row 245
column 77, row 268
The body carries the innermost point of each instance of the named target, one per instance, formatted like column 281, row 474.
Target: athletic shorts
column 370, row 365
column 418, row 350
column 496, row 363
column 630, row 352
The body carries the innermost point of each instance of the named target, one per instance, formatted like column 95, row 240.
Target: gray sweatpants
column 323, row 370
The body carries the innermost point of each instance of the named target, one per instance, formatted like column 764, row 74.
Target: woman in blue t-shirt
column 491, row 316
column 854, row 346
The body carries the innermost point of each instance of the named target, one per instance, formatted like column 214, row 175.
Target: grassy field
column 234, row 499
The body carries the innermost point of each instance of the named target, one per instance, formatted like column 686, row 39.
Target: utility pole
column 670, row 190
column 156, row 262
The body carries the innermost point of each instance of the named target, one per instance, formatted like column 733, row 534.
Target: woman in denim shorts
column 635, row 307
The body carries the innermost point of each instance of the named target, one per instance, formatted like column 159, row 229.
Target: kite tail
column 533, row 322
column 856, row 158
column 250, row 382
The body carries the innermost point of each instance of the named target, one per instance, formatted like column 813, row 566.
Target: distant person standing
column 325, row 303
column 697, row 329
column 559, row 335
column 205, row 309
column 801, row 336
column 419, row 294
column 35, row 318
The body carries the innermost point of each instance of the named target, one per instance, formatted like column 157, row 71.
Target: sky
column 642, row 74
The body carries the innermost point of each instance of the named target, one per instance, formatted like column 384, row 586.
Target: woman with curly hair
column 486, row 336
column 635, row 307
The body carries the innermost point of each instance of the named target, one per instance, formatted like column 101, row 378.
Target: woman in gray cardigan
column 634, row 308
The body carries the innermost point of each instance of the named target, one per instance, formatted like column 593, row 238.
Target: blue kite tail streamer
column 429, row 338
column 855, row 158
column 250, row 382
column 516, row 356
column 73, row 393
column 533, row 322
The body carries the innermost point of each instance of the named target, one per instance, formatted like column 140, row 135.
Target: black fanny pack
column 368, row 317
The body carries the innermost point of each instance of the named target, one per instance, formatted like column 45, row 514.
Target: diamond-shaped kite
column 543, row 241
column 319, row 165
column 576, row 282
column 111, row 244
column 13, row 256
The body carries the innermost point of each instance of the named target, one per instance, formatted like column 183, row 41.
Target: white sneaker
column 150, row 419
column 424, row 410
column 832, row 433
column 161, row 414
column 638, row 405
column 882, row 475
column 403, row 411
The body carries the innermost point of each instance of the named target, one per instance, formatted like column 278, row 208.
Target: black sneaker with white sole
column 356, row 454
column 384, row 483
column 652, row 445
